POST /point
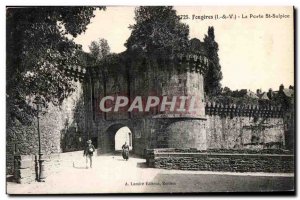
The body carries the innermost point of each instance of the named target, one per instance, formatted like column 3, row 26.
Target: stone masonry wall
column 244, row 127
column 54, row 125
column 172, row 133
column 25, row 170
column 244, row 132
column 223, row 162
column 155, row 129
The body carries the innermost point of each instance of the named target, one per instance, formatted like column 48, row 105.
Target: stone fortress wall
column 211, row 127
column 67, row 128
column 57, row 127
column 247, row 127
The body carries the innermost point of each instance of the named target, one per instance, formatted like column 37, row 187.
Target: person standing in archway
column 125, row 151
column 88, row 152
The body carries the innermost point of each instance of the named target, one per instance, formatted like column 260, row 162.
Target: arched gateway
column 163, row 106
column 115, row 136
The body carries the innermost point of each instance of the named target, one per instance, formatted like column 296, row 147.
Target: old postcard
column 149, row 99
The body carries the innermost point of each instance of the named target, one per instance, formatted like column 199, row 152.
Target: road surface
column 112, row 174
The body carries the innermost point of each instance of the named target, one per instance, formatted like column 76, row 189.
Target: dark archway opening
column 115, row 136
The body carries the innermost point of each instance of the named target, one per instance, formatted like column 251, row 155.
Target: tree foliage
column 228, row 96
column 99, row 49
column 242, row 97
column 212, row 78
column 157, row 32
column 38, row 47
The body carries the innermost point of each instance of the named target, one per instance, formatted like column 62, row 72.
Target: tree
column 99, row 49
column 213, row 76
column 227, row 91
column 38, row 48
column 158, row 32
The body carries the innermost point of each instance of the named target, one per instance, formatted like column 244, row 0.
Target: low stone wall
column 24, row 168
column 279, row 163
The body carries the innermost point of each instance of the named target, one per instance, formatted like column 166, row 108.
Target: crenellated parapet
column 193, row 62
column 77, row 72
column 233, row 110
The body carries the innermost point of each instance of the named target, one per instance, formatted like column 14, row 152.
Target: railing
column 245, row 110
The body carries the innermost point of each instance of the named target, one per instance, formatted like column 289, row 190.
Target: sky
column 255, row 53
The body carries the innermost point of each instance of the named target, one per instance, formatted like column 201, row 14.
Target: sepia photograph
column 150, row 99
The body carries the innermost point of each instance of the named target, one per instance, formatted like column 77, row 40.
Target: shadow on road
column 119, row 153
column 142, row 165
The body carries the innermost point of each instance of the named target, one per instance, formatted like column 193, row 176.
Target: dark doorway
column 115, row 137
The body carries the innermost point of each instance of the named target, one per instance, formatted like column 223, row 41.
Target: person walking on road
column 125, row 151
column 88, row 152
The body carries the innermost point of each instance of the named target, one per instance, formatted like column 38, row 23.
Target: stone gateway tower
column 178, row 121
column 181, row 119
column 178, row 83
